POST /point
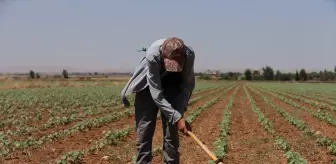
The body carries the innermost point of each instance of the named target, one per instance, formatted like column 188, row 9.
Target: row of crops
column 112, row 137
column 32, row 118
column 320, row 108
column 82, row 124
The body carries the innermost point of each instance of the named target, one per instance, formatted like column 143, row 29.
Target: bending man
column 163, row 81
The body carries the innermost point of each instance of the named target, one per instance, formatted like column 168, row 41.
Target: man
column 163, row 81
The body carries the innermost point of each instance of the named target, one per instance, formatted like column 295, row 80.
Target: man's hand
column 183, row 126
column 126, row 102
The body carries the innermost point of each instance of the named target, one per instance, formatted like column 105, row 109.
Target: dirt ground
column 81, row 140
column 248, row 141
column 307, row 147
column 129, row 142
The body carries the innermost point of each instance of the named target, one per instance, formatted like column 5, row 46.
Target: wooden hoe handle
column 213, row 157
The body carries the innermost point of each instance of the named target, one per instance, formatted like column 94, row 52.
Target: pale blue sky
column 225, row 34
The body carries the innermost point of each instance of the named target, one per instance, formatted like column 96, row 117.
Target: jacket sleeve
column 188, row 84
column 154, row 83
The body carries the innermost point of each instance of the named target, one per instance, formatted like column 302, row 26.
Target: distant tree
column 313, row 76
column 303, row 75
column 327, row 75
column 268, row 73
column 335, row 72
column 231, row 75
column 256, row 75
column 65, row 74
column 321, row 76
column 330, row 75
column 248, row 74
column 278, row 75
column 95, row 73
column 286, row 76
column 32, row 74
column 37, row 75
column 223, row 77
column 291, row 75
column 297, row 76
column 236, row 75
column 205, row 77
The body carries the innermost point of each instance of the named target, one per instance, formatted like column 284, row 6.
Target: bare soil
column 309, row 106
column 304, row 146
column 206, row 128
column 81, row 140
column 248, row 142
column 117, row 154
column 322, row 99
column 319, row 126
column 41, row 133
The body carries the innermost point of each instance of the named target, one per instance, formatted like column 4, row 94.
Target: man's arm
column 188, row 83
column 154, row 83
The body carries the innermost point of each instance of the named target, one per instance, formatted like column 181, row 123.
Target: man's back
column 138, row 81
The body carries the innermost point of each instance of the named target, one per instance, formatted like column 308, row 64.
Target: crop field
column 19, row 84
column 241, row 122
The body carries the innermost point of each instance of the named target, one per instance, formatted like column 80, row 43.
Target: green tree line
column 268, row 73
column 36, row 75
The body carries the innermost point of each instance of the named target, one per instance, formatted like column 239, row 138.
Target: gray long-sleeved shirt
column 149, row 73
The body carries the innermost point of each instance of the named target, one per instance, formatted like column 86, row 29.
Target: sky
column 103, row 35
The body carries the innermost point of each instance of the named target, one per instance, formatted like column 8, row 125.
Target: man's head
column 173, row 54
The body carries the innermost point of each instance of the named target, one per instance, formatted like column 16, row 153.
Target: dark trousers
column 146, row 114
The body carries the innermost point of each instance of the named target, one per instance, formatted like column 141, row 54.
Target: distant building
column 215, row 73
column 258, row 72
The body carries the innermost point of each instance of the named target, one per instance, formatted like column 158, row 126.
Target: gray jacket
column 149, row 72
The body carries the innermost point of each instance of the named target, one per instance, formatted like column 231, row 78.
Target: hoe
column 212, row 156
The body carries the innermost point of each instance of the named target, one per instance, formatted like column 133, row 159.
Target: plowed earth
column 319, row 126
column 207, row 130
column 81, row 140
column 247, row 142
column 308, row 148
column 117, row 153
